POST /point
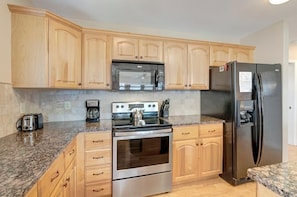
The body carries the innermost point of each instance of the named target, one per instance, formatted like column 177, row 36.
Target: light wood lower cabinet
column 94, row 167
column 60, row 178
column 197, row 152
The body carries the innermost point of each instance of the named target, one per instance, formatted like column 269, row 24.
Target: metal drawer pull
column 211, row 131
column 100, row 157
column 97, row 174
column 72, row 152
column 187, row 133
column 98, row 141
column 56, row 176
column 98, row 190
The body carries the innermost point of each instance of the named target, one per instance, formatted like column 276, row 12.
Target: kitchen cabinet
column 94, row 168
column 197, row 152
column 96, row 60
column 175, row 57
column 221, row 54
column 185, row 154
column 60, row 178
column 46, row 50
column 198, row 66
column 243, row 54
column 134, row 48
column 186, row 66
column 211, row 149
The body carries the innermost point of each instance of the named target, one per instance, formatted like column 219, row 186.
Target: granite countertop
column 25, row 156
column 281, row 178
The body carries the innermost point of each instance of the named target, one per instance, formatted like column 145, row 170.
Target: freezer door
column 270, row 82
column 245, row 117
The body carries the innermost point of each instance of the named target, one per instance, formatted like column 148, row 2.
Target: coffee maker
column 93, row 110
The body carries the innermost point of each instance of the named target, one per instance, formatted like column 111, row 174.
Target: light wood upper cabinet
column 186, row 66
column 220, row 55
column 243, row 55
column 96, row 60
column 46, row 50
column 198, row 66
column 129, row 48
column 175, row 56
column 64, row 56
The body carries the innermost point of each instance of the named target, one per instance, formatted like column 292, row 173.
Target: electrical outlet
column 67, row 105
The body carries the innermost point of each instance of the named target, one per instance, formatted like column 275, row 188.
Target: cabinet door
column 198, row 66
column 67, row 185
column 125, row 48
column 243, row 55
column 151, row 50
column 211, row 156
column 175, row 54
column 29, row 47
column 96, row 61
column 64, row 56
column 219, row 55
column 185, row 161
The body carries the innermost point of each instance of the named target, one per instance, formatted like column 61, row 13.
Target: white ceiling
column 220, row 19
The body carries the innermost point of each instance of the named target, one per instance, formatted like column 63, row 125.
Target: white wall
column 272, row 46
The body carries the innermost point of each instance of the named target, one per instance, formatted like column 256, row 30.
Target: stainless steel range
column 142, row 150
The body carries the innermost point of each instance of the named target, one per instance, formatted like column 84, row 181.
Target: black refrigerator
column 249, row 98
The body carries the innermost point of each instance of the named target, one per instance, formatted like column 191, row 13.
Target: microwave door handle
column 156, row 78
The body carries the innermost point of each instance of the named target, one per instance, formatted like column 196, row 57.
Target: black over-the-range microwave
column 136, row 75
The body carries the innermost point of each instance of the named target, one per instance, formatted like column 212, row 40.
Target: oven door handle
column 141, row 133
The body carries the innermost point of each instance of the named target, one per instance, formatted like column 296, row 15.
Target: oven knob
column 122, row 106
column 117, row 106
column 149, row 105
column 154, row 105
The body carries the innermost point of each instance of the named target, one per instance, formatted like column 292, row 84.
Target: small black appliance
column 93, row 110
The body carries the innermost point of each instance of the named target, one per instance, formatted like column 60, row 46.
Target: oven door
column 142, row 153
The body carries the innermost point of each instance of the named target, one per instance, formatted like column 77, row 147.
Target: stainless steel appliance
column 142, row 153
column 249, row 98
column 137, row 75
column 93, row 110
column 30, row 122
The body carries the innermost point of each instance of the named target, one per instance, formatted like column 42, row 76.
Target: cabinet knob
column 190, row 85
column 136, row 57
column 186, row 85
column 79, row 84
column 107, row 84
column 140, row 57
column 201, row 144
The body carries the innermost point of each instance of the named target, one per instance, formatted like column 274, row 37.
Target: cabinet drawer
column 209, row 130
column 98, row 173
column 98, row 140
column 69, row 153
column 98, row 157
column 99, row 189
column 49, row 180
column 185, row 132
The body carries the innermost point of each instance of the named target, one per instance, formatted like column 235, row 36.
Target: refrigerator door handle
column 260, row 117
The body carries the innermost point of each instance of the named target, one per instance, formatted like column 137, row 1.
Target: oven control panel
column 128, row 107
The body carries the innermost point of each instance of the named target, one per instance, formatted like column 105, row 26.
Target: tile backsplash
column 69, row 105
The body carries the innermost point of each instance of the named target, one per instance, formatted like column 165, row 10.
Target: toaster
column 30, row 122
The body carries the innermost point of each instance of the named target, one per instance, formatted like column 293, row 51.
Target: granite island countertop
column 281, row 178
column 25, row 156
